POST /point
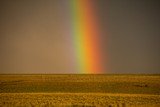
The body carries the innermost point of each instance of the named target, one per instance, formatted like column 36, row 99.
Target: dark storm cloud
column 35, row 37
column 134, row 36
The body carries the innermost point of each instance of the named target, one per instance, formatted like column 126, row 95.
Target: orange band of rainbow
column 86, row 37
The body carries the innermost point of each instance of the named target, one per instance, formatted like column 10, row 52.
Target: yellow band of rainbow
column 85, row 33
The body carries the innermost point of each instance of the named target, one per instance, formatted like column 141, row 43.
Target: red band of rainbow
column 86, row 35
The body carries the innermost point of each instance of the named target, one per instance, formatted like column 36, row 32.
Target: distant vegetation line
column 127, row 84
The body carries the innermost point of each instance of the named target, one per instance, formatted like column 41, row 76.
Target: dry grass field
column 79, row 90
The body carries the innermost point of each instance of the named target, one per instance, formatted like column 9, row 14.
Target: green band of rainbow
column 86, row 36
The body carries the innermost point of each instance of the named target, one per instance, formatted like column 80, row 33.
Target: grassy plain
column 80, row 90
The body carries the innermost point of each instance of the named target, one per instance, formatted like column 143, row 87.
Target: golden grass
column 80, row 90
column 78, row 99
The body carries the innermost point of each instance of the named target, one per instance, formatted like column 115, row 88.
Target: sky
column 35, row 36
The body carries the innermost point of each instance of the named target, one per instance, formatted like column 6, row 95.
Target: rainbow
column 86, row 37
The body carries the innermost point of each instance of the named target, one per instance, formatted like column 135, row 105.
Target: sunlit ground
column 80, row 90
